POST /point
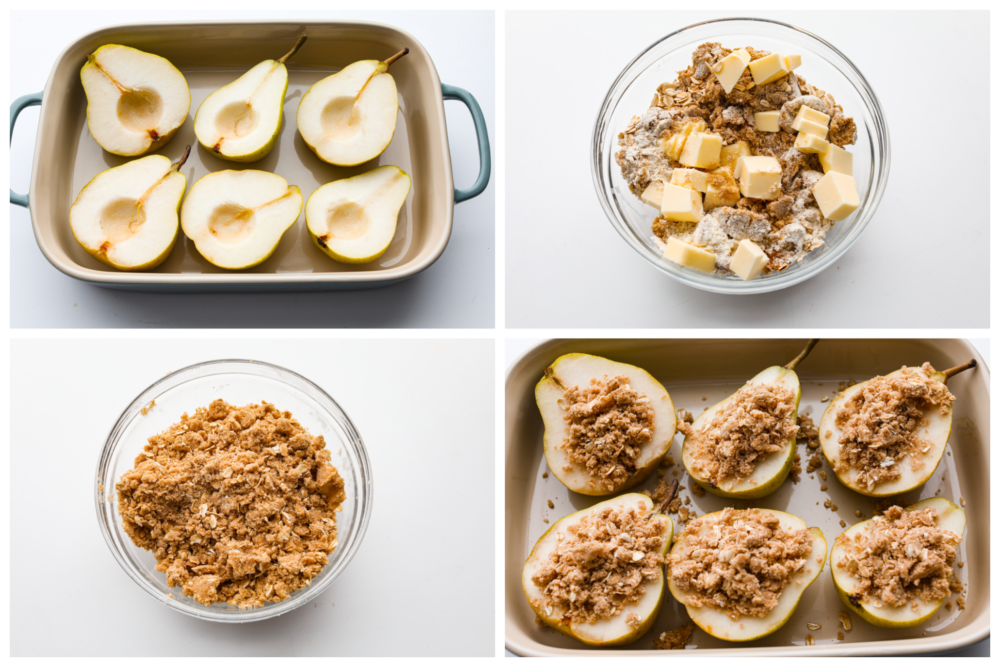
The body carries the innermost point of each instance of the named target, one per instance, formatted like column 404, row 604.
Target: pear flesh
column 236, row 218
column 612, row 631
column 136, row 101
column 772, row 470
column 719, row 624
column 577, row 370
column 127, row 216
column 950, row 517
column 353, row 220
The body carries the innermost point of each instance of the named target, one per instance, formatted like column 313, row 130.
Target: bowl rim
column 365, row 491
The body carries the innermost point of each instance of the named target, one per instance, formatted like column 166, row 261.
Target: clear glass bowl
column 238, row 382
column 822, row 65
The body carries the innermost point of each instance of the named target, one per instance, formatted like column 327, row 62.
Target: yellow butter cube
column 702, row 150
column 791, row 62
column 674, row 145
column 769, row 68
column 653, row 194
column 759, row 177
column 722, row 189
column 837, row 159
column 748, row 261
column 808, row 113
column 689, row 178
column 766, row 121
column 729, row 70
column 681, row 204
column 837, row 195
column 733, row 152
column 815, row 129
column 689, row 255
column 810, row 143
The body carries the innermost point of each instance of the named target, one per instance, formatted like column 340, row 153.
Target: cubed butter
column 729, row 70
column 759, row 177
column 722, row 189
column 653, row 194
column 702, row 150
column 748, row 261
column 837, row 195
column 681, row 204
column 674, row 144
column 837, row 159
column 689, row 178
column 791, row 62
column 815, row 129
column 766, row 121
column 769, row 68
column 810, row 143
column 689, row 255
column 733, row 152
column 808, row 113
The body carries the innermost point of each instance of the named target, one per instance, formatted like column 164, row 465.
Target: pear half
column 350, row 117
column 353, row 220
column 127, row 216
column 950, row 517
column 772, row 470
column 577, row 370
column 613, row 631
column 241, row 120
column 236, row 218
column 747, row 628
column 135, row 100
column 936, row 432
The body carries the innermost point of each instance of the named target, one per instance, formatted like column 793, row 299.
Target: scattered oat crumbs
column 539, row 622
column 827, row 504
column 960, row 563
column 833, row 508
column 810, row 641
column 822, row 474
column 674, row 640
column 551, row 505
column 822, row 487
column 545, row 475
column 824, row 399
column 814, row 626
column 667, row 461
column 961, row 604
column 698, row 490
column 704, row 398
column 661, row 473
column 149, row 407
column 949, row 452
column 545, row 520
column 815, row 462
column 687, row 500
column 948, row 605
column 100, row 488
column 961, row 501
column 840, row 636
column 845, row 620
column 843, row 524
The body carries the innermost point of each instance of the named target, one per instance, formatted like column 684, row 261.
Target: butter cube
column 690, row 178
column 791, row 62
column 702, row 150
column 733, row 152
column 815, row 129
column 810, row 143
column 837, row 159
column 766, row 121
column 729, row 70
column 681, row 204
column 759, row 177
column 722, row 189
column 808, row 113
column 674, row 145
column 686, row 254
column 837, row 195
column 769, row 68
column 748, row 261
column 653, row 194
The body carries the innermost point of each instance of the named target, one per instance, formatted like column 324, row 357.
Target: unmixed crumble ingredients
column 609, row 422
column 879, row 424
column 237, row 504
column 903, row 557
column 600, row 567
column 740, row 564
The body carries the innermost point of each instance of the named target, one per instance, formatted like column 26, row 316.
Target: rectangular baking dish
column 210, row 55
column 698, row 374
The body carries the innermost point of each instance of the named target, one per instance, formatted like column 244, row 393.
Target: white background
column 928, row 243
column 422, row 582
column 457, row 291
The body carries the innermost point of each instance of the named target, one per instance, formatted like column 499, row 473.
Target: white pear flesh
column 236, row 218
column 135, row 100
column 772, row 470
column 353, row 220
column 612, row 631
column 747, row 628
column 950, row 517
column 127, row 216
column 577, row 370
column 350, row 117
column 936, row 432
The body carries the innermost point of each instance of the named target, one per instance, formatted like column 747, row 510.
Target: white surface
column 422, row 582
column 563, row 256
column 457, row 291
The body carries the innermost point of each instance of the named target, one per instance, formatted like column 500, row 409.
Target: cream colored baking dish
column 211, row 55
column 699, row 373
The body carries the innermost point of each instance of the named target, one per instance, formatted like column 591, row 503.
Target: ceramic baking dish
column 699, row 373
column 210, row 55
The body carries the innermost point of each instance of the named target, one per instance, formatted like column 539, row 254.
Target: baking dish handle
column 16, row 107
column 464, row 96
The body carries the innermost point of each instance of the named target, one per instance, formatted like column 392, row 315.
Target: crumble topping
column 879, row 424
column 674, row 640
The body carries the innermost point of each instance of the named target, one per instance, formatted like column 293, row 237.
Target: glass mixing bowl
column 822, row 65
column 238, row 382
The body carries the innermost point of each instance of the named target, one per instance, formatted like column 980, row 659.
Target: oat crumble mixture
column 237, row 504
column 787, row 228
column 903, row 557
column 879, row 424
column 742, row 562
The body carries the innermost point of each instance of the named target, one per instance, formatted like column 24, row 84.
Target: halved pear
column 126, row 216
column 350, row 117
column 577, row 370
column 135, row 100
column 236, row 218
column 353, row 220
column 936, row 432
column 613, row 631
column 719, row 624
column 772, row 470
column 950, row 517
column 241, row 120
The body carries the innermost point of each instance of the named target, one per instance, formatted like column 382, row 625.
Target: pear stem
column 802, row 355
column 180, row 163
column 951, row 372
column 393, row 58
column 671, row 494
column 298, row 45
